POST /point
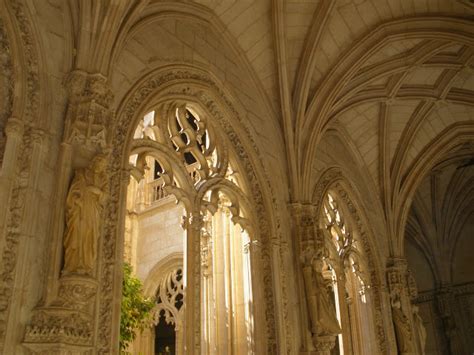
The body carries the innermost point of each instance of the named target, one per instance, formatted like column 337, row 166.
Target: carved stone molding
column 76, row 292
column 6, row 84
column 18, row 197
column 58, row 327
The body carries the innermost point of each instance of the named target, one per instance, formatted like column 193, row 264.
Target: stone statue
column 84, row 206
column 326, row 318
column 321, row 310
column 419, row 328
column 402, row 327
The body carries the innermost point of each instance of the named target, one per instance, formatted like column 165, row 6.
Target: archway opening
column 185, row 202
column 345, row 270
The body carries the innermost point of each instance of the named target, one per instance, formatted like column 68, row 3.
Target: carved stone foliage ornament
column 59, row 327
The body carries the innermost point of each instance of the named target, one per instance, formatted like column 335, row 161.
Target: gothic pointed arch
column 198, row 90
column 334, row 197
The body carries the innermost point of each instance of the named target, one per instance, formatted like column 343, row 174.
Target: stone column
column 208, row 322
column 221, row 313
column 319, row 335
column 397, row 276
column 192, row 297
column 445, row 303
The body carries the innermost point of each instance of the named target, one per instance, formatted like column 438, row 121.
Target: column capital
column 14, row 127
column 302, row 209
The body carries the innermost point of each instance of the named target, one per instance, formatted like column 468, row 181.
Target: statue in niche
column 321, row 309
column 84, row 206
column 419, row 328
column 402, row 326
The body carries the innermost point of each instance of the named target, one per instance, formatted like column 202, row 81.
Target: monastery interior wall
column 378, row 92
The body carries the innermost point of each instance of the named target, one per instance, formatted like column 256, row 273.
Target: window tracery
column 347, row 264
column 170, row 298
column 177, row 153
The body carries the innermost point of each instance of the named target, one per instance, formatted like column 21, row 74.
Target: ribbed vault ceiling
column 395, row 77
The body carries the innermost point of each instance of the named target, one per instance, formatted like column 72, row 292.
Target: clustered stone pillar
column 318, row 313
column 64, row 322
column 445, row 302
column 402, row 312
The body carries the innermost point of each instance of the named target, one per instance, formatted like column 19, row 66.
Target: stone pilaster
column 317, row 339
column 192, row 322
column 446, row 303
column 397, row 276
column 65, row 322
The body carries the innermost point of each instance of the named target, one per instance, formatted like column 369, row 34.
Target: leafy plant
column 136, row 308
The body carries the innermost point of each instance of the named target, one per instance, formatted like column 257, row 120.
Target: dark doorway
column 165, row 337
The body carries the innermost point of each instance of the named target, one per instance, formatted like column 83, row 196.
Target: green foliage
column 136, row 308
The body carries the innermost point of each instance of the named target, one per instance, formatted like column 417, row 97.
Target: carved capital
column 38, row 136
column 14, row 128
column 397, row 274
column 304, row 219
column 85, row 86
column 324, row 344
column 195, row 221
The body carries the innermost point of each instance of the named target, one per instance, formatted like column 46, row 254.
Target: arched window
column 168, row 313
column 177, row 155
column 346, row 267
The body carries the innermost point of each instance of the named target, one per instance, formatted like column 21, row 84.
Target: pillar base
column 56, row 349
column 66, row 326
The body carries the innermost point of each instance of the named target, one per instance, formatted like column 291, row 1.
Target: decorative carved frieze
column 55, row 326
